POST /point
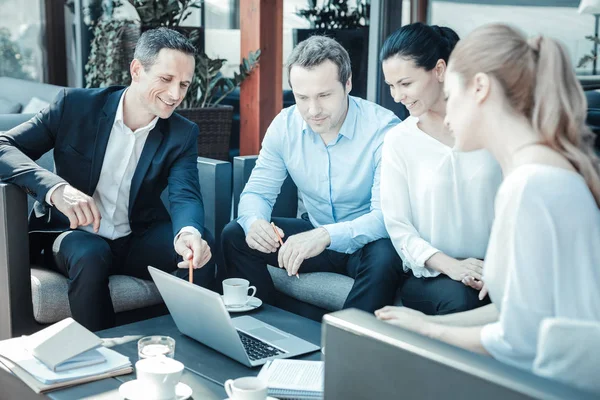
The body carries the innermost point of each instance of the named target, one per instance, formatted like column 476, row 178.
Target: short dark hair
column 424, row 44
column 153, row 41
column 317, row 49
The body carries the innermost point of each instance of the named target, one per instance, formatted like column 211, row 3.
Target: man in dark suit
column 115, row 151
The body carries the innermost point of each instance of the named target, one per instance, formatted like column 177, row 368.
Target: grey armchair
column 32, row 296
column 370, row 359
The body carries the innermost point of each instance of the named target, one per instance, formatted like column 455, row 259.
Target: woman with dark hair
column 438, row 205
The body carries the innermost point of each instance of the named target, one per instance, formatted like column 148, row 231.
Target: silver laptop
column 200, row 314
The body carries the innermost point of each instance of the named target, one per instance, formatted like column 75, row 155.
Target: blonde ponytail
column 540, row 82
column 559, row 110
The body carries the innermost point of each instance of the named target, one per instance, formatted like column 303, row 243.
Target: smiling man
column 330, row 144
column 115, row 151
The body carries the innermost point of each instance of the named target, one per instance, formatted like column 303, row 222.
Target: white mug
column 249, row 388
column 159, row 376
column 235, row 292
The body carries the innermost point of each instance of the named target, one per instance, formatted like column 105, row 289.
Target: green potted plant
column 112, row 43
column 171, row 14
column 592, row 56
column 336, row 14
column 202, row 102
column 111, row 51
column 348, row 25
column 114, row 40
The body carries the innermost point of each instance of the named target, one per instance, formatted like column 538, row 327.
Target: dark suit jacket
column 77, row 126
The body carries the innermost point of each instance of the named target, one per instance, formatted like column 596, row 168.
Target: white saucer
column 254, row 303
column 132, row 391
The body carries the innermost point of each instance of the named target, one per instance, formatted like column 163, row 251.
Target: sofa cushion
column 35, row 105
column 51, row 301
column 322, row 289
column 9, row 107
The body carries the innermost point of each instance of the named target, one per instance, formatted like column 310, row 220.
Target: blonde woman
column 520, row 100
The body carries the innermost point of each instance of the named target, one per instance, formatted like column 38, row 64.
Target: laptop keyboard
column 257, row 349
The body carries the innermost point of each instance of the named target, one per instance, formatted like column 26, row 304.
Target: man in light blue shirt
column 330, row 144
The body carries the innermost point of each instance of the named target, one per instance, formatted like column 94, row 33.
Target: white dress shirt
column 543, row 259
column 111, row 196
column 434, row 198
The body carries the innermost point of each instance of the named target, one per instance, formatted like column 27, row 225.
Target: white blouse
column 434, row 198
column 543, row 259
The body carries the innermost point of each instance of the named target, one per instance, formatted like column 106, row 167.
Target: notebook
column 294, row 379
column 65, row 345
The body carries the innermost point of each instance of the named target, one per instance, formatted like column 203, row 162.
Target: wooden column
column 261, row 94
column 419, row 10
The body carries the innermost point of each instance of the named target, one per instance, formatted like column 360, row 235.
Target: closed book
column 90, row 357
column 60, row 342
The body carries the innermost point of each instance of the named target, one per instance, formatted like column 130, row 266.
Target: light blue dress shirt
column 338, row 182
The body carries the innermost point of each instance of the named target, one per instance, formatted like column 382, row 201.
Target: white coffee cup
column 158, row 376
column 235, row 292
column 249, row 388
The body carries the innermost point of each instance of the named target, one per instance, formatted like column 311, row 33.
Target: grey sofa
column 32, row 296
column 316, row 293
column 22, row 91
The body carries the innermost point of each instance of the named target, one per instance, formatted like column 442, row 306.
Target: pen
column 281, row 241
column 192, row 270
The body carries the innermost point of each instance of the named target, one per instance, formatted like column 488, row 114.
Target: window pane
column 21, row 53
column 291, row 21
column 222, row 34
column 555, row 18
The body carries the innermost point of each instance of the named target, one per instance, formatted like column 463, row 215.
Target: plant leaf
column 585, row 60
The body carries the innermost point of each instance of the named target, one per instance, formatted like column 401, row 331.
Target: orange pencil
column 281, row 241
column 192, row 270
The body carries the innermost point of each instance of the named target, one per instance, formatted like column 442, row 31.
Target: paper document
column 15, row 351
column 294, row 378
column 39, row 387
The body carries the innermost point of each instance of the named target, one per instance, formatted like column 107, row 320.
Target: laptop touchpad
column 267, row 334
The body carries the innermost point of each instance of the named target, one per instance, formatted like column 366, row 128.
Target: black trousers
column 439, row 295
column 87, row 260
column 376, row 268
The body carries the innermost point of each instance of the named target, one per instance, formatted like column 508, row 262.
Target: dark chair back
column 286, row 204
column 593, row 115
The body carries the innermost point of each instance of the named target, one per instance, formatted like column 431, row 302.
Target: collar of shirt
column 349, row 125
column 119, row 119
